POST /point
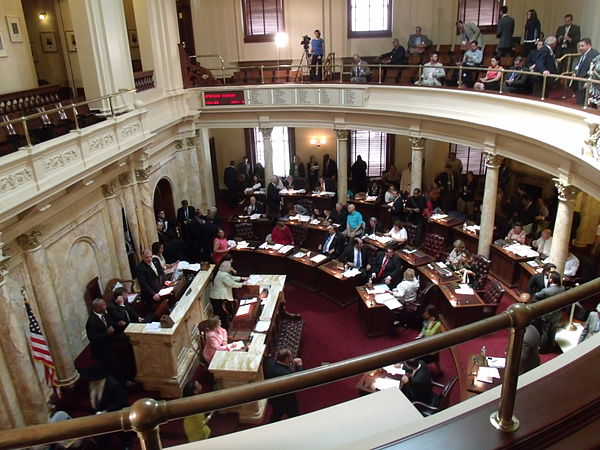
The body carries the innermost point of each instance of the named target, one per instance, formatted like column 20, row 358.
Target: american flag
column 39, row 347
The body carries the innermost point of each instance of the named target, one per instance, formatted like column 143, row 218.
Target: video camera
column 305, row 41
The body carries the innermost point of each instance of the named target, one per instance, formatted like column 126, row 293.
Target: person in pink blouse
column 220, row 247
column 216, row 338
column 517, row 233
column 491, row 80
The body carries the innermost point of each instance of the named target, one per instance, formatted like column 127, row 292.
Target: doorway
column 163, row 199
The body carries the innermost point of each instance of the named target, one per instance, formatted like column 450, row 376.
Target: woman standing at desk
column 221, row 294
column 431, row 327
column 220, row 247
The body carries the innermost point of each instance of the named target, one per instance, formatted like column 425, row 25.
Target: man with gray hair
column 360, row 70
column 545, row 63
column 273, row 197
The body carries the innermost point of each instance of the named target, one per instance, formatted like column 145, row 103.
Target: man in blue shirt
column 354, row 222
column 317, row 49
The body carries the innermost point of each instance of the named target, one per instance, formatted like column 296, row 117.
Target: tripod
column 304, row 63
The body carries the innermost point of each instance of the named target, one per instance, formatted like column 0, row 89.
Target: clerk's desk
column 166, row 358
column 242, row 367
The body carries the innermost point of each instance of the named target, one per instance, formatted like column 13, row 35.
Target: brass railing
column 146, row 415
column 193, row 57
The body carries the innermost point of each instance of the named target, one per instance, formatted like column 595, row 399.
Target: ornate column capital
column 125, row 179
column 179, row 144
column 566, row 192
column 190, row 141
column 341, row 134
column 143, row 174
column 3, row 262
column 109, row 189
column 417, row 143
column 591, row 145
column 266, row 132
column 30, row 241
column 492, row 160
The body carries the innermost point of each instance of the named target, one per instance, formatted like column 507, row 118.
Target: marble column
column 47, row 302
column 187, row 162
column 561, row 237
column 488, row 207
column 22, row 396
column 268, row 151
column 116, row 225
column 342, row 165
column 132, row 213
column 146, row 202
column 417, row 146
column 205, row 166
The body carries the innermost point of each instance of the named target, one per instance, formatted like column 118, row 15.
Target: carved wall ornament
column 179, row 144
column 417, row 143
column 30, row 241
column 190, row 141
column 125, row 179
column 12, row 181
column 566, row 192
column 266, row 132
column 59, row 160
column 3, row 261
column 592, row 143
column 341, row 134
column 101, row 142
column 143, row 174
column 492, row 160
column 109, row 189
column 131, row 129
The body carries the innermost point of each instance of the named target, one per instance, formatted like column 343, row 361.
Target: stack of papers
column 254, row 279
column 318, row 258
column 383, row 383
column 315, row 222
column 393, row 370
column 487, row 374
column 184, row 265
column 327, row 194
column 255, row 217
column 378, row 289
column 464, row 289
column 472, row 228
column 388, row 300
column 299, row 255
column 382, row 239
column 248, row 301
column 371, row 198
column 243, row 310
column 351, row 273
column 152, row 326
column 498, row 363
column 285, row 248
column 237, row 345
column 382, row 298
column 242, row 244
column 441, row 265
column 266, row 246
column 405, row 250
column 524, row 251
column 165, row 291
column 439, row 216
column 262, row 326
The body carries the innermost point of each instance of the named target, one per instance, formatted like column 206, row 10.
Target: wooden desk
column 436, row 277
column 476, row 361
column 365, row 384
column 376, row 319
column 243, row 260
column 505, row 265
column 367, row 209
column 232, row 369
column 319, row 201
column 270, row 261
column 315, row 233
column 470, row 239
column 444, row 227
column 166, row 358
column 414, row 259
column 335, row 287
column 526, row 271
column 301, row 271
column 458, row 309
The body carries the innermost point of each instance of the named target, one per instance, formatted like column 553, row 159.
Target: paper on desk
column 262, row 326
column 464, row 289
column 131, row 297
column 318, row 258
column 409, row 251
column 237, row 345
column 487, row 372
column 533, row 263
column 277, row 246
column 441, row 265
column 351, row 273
column 286, row 248
column 248, row 301
column 304, row 219
column 254, row 279
column 165, row 291
column 439, row 216
column 255, row 217
column 242, row 244
column 378, row 289
column 382, row 298
column 243, row 310
column 383, row 383
column 498, row 363
column 299, row 255
column 393, row 370
column 184, row 265
column 256, row 186
column 327, row 193
column 152, row 326
column 392, row 303
column 371, row 198
column 315, row 222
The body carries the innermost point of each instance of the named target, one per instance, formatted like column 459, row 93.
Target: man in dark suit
column 329, row 167
column 530, row 353
column 231, row 181
column 168, row 229
column 515, row 82
column 582, row 67
column 121, row 313
column 548, row 323
column 416, row 383
column 338, row 216
column 282, row 365
column 356, row 255
column 151, row 277
column 373, row 227
column 332, row 244
column 254, row 207
column 100, row 331
column 326, row 185
column 567, row 37
column 387, row 267
column 395, row 56
column 245, row 168
column 504, row 33
column 185, row 214
column 539, row 281
column 545, row 64
column 273, row 197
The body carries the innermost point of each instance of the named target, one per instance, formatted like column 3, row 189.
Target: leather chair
column 412, row 234
column 306, row 203
column 244, row 231
column 434, row 245
column 300, row 232
column 491, row 294
column 438, row 402
column 110, row 285
column 92, row 290
column 412, row 313
column 481, row 266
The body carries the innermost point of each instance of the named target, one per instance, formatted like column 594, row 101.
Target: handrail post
column 144, row 419
column 501, row 80
column 26, row 130
column 503, row 419
column 379, row 73
column 460, row 72
column 342, row 73
column 545, row 77
column 75, row 116
column 112, row 111
column 420, row 77
column 586, row 99
column 262, row 74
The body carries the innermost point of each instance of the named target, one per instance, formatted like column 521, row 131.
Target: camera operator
column 317, row 50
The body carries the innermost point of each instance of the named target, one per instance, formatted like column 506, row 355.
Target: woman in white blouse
column 398, row 233
column 458, row 256
column 408, row 287
column 221, row 293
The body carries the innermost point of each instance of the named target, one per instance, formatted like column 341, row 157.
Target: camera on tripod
column 305, row 41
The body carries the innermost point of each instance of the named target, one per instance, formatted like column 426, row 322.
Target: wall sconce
column 318, row 142
column 43, row 15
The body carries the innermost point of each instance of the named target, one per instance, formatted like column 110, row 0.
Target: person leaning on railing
column 545, row 63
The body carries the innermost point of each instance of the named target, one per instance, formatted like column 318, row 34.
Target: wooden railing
column 143, row 80
column 146, row 415
column 25, row 102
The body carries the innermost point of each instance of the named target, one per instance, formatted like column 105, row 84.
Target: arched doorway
column 163, row 199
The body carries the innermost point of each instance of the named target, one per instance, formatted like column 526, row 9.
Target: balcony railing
column 143, row 80
column 146, row 415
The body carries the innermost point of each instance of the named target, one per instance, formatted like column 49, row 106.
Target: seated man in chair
column 386, row 266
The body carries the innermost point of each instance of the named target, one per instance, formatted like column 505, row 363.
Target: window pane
column 472, row 158
column 372, row 148
column 480, row 12
column 262, row 18
column 281, row 150
column 370, row 15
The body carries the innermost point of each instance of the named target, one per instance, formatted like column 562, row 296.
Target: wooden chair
column 506, row 61
column 491, row 294
column 239, row 77
column 244, row 231
column 489, row 50
column 92, row 290
column 110, row 285
column 433, row 245
column 253, row 77
column 409, row 75
column 440, row 401
column 390, row 76
column 412, row 233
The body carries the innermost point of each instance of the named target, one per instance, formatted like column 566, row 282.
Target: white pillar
column 416, row 174
column 342, row 165
column 204, row 163
column 561, row 237
column 146, row 200
column 103, row 51
column 488, row 208
column 116, row 225
column 191, row 188
column 268, row 147
column 133, row 213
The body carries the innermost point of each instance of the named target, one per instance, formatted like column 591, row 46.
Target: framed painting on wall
column 14, row 29
column 2, row 46
column 48, row 42
column 71, row 41
column 133, row 38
